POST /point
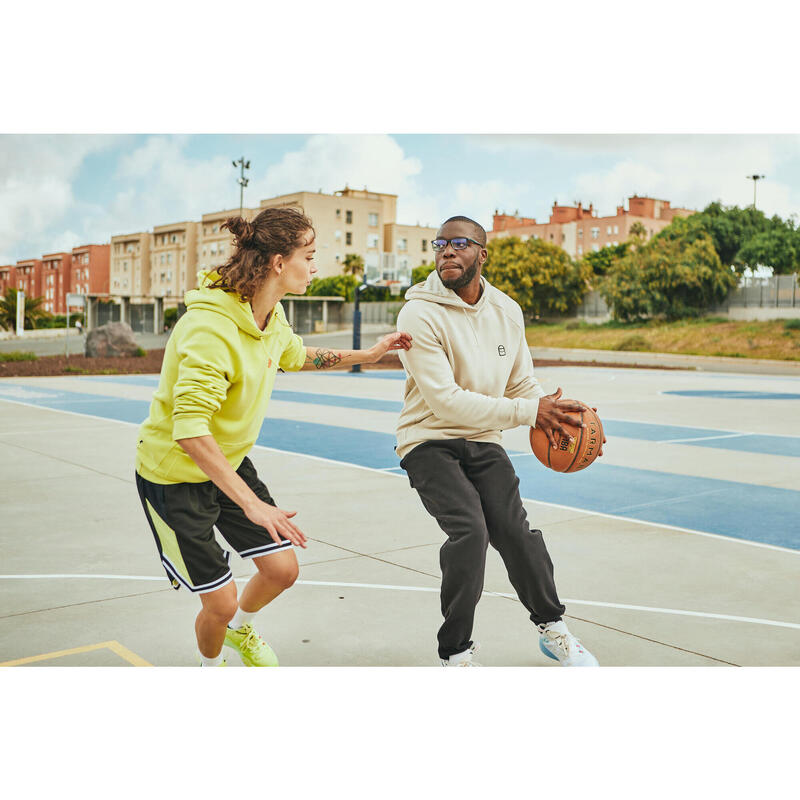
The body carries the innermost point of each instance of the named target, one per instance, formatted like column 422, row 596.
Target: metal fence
column 779, row 291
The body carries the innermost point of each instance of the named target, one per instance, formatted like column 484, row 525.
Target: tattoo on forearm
column 324, row 359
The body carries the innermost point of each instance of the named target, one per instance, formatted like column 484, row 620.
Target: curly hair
column 274, row 231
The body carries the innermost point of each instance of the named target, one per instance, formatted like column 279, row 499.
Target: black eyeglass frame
column 450, row 242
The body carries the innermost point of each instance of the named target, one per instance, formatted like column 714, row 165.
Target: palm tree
column 8, row 310
column 353, row 264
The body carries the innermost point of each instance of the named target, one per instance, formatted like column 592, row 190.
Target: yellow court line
column 115, row 647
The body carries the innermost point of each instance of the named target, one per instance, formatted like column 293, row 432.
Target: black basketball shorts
column 182, row 517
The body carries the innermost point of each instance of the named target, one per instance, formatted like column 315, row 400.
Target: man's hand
column 277, row 522
column 552, row 414
column 392, row 341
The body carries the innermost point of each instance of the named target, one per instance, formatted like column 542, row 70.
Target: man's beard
column 463, row 279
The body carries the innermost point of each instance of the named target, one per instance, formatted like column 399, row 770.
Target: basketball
column 573, row 454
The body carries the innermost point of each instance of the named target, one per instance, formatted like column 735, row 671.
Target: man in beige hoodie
column 469, row 377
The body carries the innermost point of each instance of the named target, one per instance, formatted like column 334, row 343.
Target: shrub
column 633, row 342
column 792, row 324
column 18, row 355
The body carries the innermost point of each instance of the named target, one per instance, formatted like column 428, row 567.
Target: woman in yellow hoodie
column 192, row 470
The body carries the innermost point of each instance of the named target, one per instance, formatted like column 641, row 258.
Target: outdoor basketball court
column 680, row 547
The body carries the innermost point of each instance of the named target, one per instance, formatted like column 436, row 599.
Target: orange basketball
column 573, row 454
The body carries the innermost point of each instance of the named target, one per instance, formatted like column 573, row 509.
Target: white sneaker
column 558, row 643
column 462, row 659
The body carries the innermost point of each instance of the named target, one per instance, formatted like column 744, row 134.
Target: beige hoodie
column 469, row 370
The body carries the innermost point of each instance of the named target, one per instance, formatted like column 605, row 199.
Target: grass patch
column 18, row 355
column 706, row 336
column 140, row 352
column 81, row 371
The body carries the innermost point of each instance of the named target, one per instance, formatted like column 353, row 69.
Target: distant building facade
column 215, row 243
column 173, row 261
column 579, row 230
column 89, row 270
column 29, row 277
column 55, row 281
column 129, row 270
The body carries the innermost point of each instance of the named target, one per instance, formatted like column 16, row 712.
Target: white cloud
column 691, row 172
column 36, row 175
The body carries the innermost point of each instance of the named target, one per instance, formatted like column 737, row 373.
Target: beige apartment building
column 129, row 270
column 173, row 261
column 347, row 221
column 215, row 243
column 579, row 230
column 405, row 247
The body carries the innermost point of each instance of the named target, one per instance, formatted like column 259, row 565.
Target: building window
column 616, row 229
column 424, row 245
column 348, row 237
column 372, row 240
column 162, row 258
column 595, row 232
column 338, row 213
column 373, row 220
column 402, row 245
column 337, row 235
column 338, row 258
column 348, row 217
column 580, row 249
column 608, row 231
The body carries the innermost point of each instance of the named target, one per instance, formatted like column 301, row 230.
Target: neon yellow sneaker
column 252, row 649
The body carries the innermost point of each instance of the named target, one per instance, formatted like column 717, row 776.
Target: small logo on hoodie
column 501, row 351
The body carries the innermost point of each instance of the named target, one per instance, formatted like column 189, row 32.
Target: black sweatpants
column 472, row 491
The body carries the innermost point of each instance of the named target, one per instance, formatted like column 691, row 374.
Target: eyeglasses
column 458, row 243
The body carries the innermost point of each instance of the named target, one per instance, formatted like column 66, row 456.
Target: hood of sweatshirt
column 228, row 304
column 436, row 292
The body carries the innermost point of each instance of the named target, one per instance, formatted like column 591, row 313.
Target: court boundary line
column 380, row 471
column 115, row 647
column 119, row 649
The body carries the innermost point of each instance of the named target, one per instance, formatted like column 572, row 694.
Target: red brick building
column 579, row 230
column 8, row 278
column 29, row 277
column 55, row 281
column 89, row 271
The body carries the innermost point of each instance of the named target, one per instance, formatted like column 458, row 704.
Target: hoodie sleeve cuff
column 528, row 409
column 189, row 428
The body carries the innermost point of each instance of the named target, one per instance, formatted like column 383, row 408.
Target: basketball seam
column 577, row 446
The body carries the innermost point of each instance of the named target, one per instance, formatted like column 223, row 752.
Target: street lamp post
column 242, row 181
column 357, row 321
column 755, row 179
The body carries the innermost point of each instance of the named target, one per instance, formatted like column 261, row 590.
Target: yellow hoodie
column 217, row 378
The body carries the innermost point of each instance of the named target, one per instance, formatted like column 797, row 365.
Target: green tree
column 353, row 264
column 637, row 233
column 334, row 286
column 778, row 247
column 419, row 274
column 34, row 313
column 602, row 260
column 668, row 277
column 540, row 276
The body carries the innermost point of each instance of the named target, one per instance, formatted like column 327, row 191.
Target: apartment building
column 347, row 221
column 579, row 230
column 129, row 266
column 215, row 243
column 55, row 281
column 89, row 270
column 173, row 261
column 29, row 277
column 8, row 278
column 405, row 247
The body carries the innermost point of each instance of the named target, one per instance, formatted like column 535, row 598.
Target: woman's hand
column 277, row 522
column 392, row 341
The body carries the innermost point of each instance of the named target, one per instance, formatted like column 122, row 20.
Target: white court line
column 709, row 438
column 435, row 589
column 720, row 537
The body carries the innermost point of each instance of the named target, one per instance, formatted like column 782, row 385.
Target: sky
column 58, row 191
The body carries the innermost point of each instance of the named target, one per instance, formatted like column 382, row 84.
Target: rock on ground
column 112, row 340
